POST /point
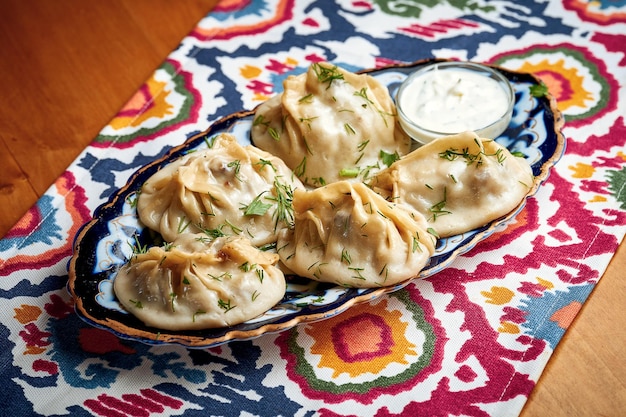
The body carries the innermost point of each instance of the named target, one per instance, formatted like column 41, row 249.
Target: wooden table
column 68, row 66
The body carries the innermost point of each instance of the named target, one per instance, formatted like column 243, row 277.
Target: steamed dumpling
column 199, row 283
column 457, row 182
column 346, row 234
column 228, row 189
column 329, row 125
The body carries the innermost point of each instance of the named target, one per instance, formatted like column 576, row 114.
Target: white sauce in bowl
column 446, row 100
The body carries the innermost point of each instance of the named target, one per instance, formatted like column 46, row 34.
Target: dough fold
column 346, row 234
column 458, row 182
column 199, row 283
column 329, row 125
column 228, row 189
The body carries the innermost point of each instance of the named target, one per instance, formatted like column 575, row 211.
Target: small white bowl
column 446, row 98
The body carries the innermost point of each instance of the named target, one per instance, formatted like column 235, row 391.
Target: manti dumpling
column 346, row 234
column 228, row 189
column 330, row 124
column 457, row 182
column 197, row 282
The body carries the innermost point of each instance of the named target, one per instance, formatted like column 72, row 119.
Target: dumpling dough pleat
column 329, row 125
column 196, row 284
column 346, row 234
column 457, row 182
column 228, row 189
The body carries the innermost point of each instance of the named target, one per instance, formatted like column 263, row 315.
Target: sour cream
column 452, row 97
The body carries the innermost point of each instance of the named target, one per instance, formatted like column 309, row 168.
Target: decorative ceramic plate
column 105, row 244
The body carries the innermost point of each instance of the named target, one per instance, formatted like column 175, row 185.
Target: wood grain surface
column 68, row 66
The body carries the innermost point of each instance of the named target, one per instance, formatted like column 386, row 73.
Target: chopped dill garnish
column 433, row 232
column 326, row 75
column 172, row 300
column 247, row 266
column 361, row 147
column 264, row 162
column 212, row 233
column 182, row 226
column 363, row 94
column 452, row 154
column 260, row 273
column 225, row 305
column 197, row 313
column 137, row 247
column 388, row 158
column 273, row 133
column 301, row 168
column 306, row 99
column 283, row 199
column 260, row 120
column 365, row 172
column 438, row 208
column 133, row 199
column 220, row 277
column 345, row 256
column 358, row 272
column 416, row 242
column 319, row 181
column 307, row 120
column 538, row 90
column 256, row 207
column 236, row 165
column 236, row 230
column 268, row 247
column 210, row 141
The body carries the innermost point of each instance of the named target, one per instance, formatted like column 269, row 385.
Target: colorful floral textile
column 472, row 340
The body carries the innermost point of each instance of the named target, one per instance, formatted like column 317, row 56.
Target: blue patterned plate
column 105, row 243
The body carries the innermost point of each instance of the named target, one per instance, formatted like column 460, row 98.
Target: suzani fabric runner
column 472, row 340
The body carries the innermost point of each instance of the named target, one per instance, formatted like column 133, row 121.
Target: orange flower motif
column 545, row 283
column 508, row 327
column 249, row 71
column 361, row 340
column 150, row 101
column 564, row 316
column 597, row 199
column 498, row 295
column 565, row 84
column 27, row 313
column 582, row 170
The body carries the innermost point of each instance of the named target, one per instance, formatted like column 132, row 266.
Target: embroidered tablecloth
column 471, row 340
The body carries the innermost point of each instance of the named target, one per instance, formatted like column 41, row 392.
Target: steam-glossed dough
column 329, row 125
column 346, row 234
column 210, row 189
column 457, row 182
column 196, row 284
